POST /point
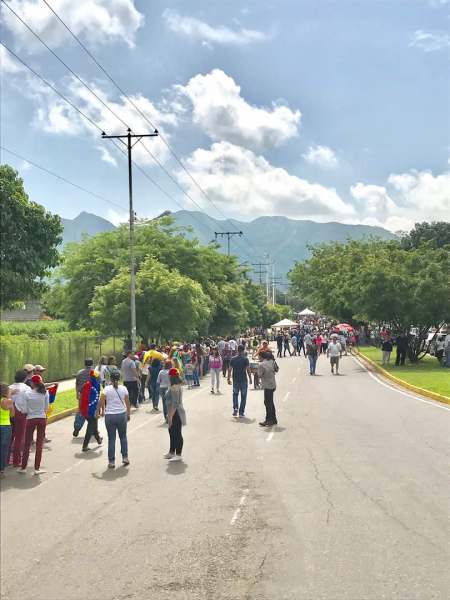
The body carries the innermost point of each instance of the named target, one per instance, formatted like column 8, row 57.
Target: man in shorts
column 334, row 353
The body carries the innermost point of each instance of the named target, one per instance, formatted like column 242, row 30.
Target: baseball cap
column 39, row 368
column 36, row 379
column 28, row 367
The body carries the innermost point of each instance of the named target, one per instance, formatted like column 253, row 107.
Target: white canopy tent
column 307, row 313
column 284, row 323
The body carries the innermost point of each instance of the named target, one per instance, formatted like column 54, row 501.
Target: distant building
column 31, row 311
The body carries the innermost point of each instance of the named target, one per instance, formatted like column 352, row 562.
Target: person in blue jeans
column 115, row 406
column 239, row 369
column 312, row 351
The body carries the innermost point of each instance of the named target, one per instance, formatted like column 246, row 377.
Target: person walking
column 294, row 344
column 89, row 408
column 325, row 342
column 115, row 407
column 153, row 372
column 6, row 411
column 266, row 371
column 163, row 383
column 343, row 342
column 37, row 400
column 240, row 369
column 386, row 349
column 110, row 367
column 176, row 417
column 18, row 391
column 226, row 358
column 130, row 378
column 215, row 366
column 279, row 340
column 102, row 368
column 402, row 348
column 81, row 378
column 287, row 345
column 312, row 352
column 334, row 353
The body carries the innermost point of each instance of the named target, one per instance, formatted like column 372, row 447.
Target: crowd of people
column 157, row 374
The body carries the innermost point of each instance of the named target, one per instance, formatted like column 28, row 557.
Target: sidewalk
column 66, row 385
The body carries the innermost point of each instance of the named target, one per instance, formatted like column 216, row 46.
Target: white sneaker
column 39, row 471
column 22, row 471
column 168, row 455
column 175, row 458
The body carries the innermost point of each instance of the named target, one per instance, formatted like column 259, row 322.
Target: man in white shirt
column 334, row 352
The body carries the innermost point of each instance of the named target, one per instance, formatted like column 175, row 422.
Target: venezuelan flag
column 51, row 397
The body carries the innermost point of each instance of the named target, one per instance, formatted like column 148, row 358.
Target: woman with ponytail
column 115, row 405
column 36, row 409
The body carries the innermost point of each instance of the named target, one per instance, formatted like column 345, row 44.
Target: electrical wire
column 76, row 185
column 121, row 150
column 149, row 121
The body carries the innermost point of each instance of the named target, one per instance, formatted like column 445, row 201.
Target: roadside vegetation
column 426, row 374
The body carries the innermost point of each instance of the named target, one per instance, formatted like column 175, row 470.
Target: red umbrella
column 344, row 326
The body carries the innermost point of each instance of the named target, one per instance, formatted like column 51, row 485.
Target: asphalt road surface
column 347, row 498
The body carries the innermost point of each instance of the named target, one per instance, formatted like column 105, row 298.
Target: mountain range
column 284, row 240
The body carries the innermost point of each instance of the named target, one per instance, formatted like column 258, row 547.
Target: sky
column 330, row 110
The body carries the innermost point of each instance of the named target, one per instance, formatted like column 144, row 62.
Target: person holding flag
column 89, row 408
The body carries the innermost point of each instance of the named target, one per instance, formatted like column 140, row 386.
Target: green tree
column 379, row 282
column 437, row 233
column 272, row 313
column 168, row 304
column 29, row 238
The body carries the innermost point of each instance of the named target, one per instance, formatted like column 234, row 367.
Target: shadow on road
column 111, row 474
column 176, row 468
column 244, row 420
column 21, row 482
column 92, row 453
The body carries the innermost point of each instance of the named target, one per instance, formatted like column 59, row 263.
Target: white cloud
column 373, row 201
column 107, row 157
column 8, row 64
column 429, row 41
column 244, row 184
column 321, row 156
column 196, row 29
column 220, row 110
column 97, row 21
column 57, row 117
column 406, row 199
column 116, row 218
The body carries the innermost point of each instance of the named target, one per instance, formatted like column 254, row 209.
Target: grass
column 426, row 374
column 64, row 401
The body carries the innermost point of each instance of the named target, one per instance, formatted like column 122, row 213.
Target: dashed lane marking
column 238, row 510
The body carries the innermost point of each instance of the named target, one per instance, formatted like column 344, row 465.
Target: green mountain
column 84, row 224
column 285, row 240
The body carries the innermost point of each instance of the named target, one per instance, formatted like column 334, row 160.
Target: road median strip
column 403, row 384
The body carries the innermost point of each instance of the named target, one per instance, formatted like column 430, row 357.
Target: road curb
column 62, row 415
column 404, row 384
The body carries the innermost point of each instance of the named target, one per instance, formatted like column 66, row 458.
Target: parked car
column 436, row 345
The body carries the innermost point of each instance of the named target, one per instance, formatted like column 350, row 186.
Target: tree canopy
column 29, row 237
column 182, row 288
column 436, row 233
column 380, row 282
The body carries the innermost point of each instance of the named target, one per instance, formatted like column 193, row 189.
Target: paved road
column 348, row 498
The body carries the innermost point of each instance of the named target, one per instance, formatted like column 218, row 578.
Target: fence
column 62, row 354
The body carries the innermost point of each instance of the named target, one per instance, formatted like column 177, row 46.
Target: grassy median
column 64, row 401
column 427, row 373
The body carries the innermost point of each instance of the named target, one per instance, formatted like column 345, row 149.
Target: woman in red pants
column 19, row 390
column 36, row 409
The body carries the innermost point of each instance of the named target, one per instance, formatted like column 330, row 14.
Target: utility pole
column 228, row 235
column 273, row 282
column 260, row 272
column 267, row 278
column 129, row 137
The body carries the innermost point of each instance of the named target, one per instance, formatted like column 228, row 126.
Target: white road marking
column 390, row 387
column 270, row 436
column 238, row 511
column 287, row 396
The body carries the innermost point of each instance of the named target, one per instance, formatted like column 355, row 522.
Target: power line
column 64, row 64
column 83, row 189
column 147, row 119
column 63, row 97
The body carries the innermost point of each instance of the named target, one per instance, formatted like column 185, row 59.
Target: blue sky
column 326, row 110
